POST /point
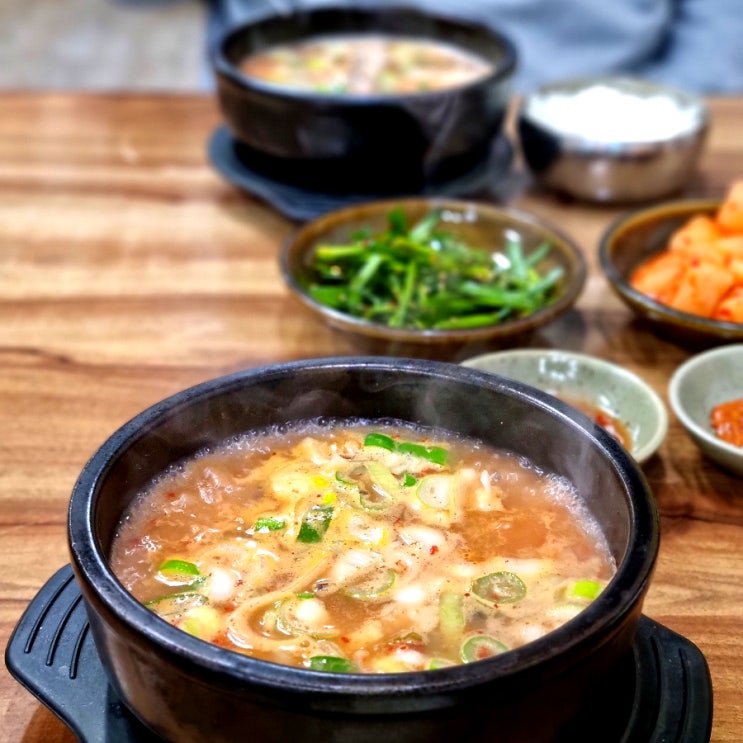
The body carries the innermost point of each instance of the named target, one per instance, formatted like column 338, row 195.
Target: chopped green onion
column 372, row 588
column 502, row 587
column 175, row 603
column 385, row 489
column 305, row 595
column 304, row 616
column 381, row 440
column 480, row 647
column 437, row 663
column 314, row 524
column 409, row 480
column 270, row 523
column 435, row 454
column 330, row 664
column 177, row 572
column 451, row 616
column 433, row 491
column 583, row 589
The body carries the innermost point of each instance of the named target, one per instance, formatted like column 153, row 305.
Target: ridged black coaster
column 662, row 693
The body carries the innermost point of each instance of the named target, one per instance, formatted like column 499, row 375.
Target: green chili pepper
column 435, row 454
column 502, row 587
column 479, row 647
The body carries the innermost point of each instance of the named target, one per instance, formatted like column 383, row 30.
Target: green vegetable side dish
column 424, row 277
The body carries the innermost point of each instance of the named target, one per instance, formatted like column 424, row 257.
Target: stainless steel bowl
column 643, row 145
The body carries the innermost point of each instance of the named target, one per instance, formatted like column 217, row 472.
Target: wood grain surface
column 129, row 270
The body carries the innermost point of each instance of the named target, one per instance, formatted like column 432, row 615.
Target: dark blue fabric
column 693, row 44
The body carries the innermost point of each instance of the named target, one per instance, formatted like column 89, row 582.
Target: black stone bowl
column 381, row 144
column 188, row 690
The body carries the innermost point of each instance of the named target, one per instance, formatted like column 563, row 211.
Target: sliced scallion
column 480, row 647
column 374, row 587
column 502, row 587
column 330, row 664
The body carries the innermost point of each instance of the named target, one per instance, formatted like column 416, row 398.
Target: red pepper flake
column 434, row 549
column 345, row 639
column 171, row 495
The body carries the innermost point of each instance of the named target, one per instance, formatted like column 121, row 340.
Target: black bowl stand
column 661, row 693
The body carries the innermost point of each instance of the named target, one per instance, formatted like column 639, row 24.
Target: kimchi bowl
column 635, row 239
column 187, row 689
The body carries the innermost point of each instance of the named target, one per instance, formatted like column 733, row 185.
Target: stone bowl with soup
column 374, row 101
column 353, row 548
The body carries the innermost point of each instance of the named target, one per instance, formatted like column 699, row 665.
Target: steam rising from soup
column 362, row 547
column 365, row 64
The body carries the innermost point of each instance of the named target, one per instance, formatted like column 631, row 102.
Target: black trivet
column 250, row 172
column 662, row 693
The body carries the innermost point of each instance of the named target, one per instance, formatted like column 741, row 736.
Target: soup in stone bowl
column 355, row 546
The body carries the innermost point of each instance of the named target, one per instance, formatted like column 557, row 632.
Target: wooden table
column 129, row 270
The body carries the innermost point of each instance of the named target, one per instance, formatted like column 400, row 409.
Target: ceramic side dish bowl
column 603, row 390
column 188, row 690
column 478, row 225
column 375, row 143
column 634, row 238
column 696, row 387
column 612, row 139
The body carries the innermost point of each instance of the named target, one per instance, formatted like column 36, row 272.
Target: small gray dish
column 599, row 385
column 696, row 387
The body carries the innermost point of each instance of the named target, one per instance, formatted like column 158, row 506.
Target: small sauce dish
column 697, row 387
column 612, row 396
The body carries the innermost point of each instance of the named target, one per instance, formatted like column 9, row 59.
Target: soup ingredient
column 701, row 270
column 609, row 114
column 315, row 547
column 365, row 64
column 727, row 421
column 425, row 277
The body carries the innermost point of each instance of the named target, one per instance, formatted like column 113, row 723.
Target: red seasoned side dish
column 727, row 421
column 701, row 270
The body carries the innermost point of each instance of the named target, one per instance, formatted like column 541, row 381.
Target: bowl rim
column 604, row 615
column 677, row 380
column 652, row 398
column 572, row 286
column 501, row 72
column 642, row 303
column 576, row 143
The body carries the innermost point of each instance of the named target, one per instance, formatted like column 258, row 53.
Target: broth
column 363, row 548
column 365, row 64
